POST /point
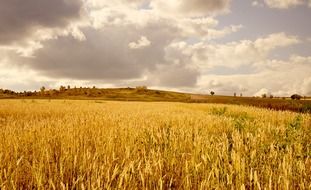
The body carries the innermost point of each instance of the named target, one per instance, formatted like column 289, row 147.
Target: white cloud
column 300, row 59
column 141, row 43
column 18, row 78
column 280, row 78
column 275, row 40
column 257, row 4
column 185, row 8
column 215, row 34
column 106, row 3
column 263, row 91
column 234, row 54
column 205, row 28
column 283, row 4
column 245, row 66
column 306, row 86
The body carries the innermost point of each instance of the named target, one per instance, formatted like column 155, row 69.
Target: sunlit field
column 63, row 144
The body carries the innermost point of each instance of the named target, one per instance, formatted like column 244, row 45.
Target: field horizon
column 144, row 94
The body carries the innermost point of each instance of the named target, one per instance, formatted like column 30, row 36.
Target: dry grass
column 130, row 145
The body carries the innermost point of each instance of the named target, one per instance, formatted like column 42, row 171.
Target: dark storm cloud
column 20, row 18
column 177, row 76
column 105, row 54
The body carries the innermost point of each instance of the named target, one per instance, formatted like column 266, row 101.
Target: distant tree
column 68, row 87
column 28, row 93
column 212, row 93
column 241, row 94
column 234, row 94
column 264, row 95
column 42, row 90
column 271, row 96
column 62, row 89
column 53, row 92
column 296, row 97
column 6, row 91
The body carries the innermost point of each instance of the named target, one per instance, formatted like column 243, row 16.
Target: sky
column 226, row 46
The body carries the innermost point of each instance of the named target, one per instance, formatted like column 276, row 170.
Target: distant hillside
column 303, row 105
column 144, row 94
column 121, row 94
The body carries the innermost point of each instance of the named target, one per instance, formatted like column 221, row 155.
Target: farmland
column 151, row 95
column 97, row 144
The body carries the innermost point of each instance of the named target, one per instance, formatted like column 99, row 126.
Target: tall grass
column 129, row 145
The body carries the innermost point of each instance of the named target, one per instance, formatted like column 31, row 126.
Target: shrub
column 296, row 97
column 141, row 88
column 306, row 108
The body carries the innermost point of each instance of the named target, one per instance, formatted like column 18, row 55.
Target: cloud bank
column 20, row 20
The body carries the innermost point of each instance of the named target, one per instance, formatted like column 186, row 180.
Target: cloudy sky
column 243, row 46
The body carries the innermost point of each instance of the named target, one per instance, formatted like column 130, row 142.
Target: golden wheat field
column 67, row 144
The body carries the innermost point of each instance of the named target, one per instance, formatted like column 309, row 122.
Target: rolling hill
column 150, row 95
